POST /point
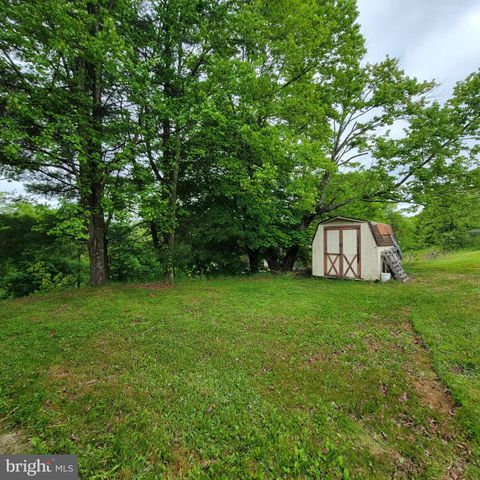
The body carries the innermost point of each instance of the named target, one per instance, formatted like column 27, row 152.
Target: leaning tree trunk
column 292, row 252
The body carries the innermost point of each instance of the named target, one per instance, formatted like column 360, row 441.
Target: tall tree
column 62, row 104
column 259, row 176
column 175, row 41
column 388, row 136
column 361, row 104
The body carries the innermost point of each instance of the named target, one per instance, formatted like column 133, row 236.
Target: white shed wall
column 369, row 252
column 371, row 261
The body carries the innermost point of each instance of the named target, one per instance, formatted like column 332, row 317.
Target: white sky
column 434, row 39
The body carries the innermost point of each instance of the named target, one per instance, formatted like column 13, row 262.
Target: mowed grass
column 467, row 262
column 264, row 377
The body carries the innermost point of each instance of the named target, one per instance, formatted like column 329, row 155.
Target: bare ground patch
column 180, row 462
column 13, row 443
column 432, row 393
column 426, row 383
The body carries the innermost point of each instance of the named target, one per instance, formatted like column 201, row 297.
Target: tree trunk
column 169, row 265
column 170, row 235
column 172, row 143
column 253, row 261
column 91, row 202
column 273, row 260
column 157, row 246
column 172, row 167
column 96, row 246
column 292, row 252
column 171, row 175
column 164, row 250
column 105, row 252
column 290, row 258
column 79, row 268
column 92, row 173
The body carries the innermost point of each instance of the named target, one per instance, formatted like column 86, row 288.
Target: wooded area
column 208, row 136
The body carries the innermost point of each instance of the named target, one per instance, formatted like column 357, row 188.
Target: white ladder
column 392, row 259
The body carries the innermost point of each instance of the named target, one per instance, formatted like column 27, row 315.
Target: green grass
column 265, row 377
column 467, row 262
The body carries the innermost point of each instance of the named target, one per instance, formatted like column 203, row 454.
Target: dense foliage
column 206, row 136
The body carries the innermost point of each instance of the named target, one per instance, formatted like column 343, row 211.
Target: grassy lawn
column 265, row 377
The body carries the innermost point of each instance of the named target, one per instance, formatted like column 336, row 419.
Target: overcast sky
column 434, row 39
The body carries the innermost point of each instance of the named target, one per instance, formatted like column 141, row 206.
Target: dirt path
column 433, row 393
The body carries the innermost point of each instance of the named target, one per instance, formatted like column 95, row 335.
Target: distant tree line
column 39, row 250
column 209, row 136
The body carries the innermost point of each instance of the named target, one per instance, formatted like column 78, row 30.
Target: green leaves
column 252, row 119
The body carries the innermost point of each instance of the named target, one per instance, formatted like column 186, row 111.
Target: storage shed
column 355, row 249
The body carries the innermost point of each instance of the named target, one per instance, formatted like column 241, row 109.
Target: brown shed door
column 342, row 252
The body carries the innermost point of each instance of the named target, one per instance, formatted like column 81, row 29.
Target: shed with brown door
column 356, row 249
